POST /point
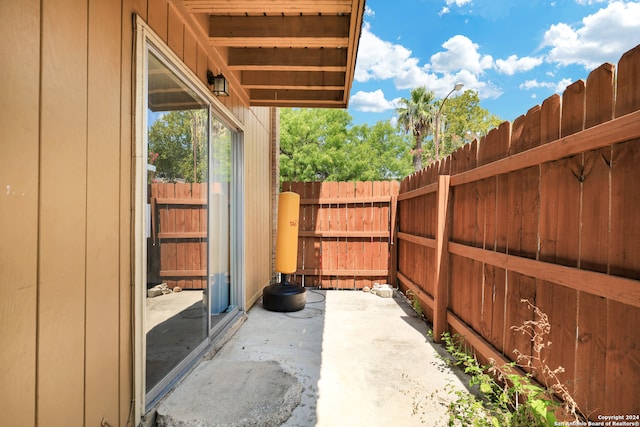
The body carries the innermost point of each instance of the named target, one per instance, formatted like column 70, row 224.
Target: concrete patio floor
column 349, row 358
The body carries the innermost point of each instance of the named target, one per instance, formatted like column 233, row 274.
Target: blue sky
column 514, row 53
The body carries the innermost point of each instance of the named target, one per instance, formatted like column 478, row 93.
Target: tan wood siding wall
column 65, row 202
column 257, row 155
column 19, row 145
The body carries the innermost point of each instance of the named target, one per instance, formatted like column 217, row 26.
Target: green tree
column 378, row 152
column 463, row 120
column 322, row 145
column 178, row 146
column 416, row 115
column 310, row 142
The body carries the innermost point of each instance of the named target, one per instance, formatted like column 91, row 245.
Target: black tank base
column 284, row 298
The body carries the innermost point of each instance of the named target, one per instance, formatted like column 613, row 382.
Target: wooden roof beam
column 299, row 103
column 289, row 57
column 293, row 79
column 299, row 42
column 268, row 7
column 295, row 95
column 325, row 26
column 280, row 31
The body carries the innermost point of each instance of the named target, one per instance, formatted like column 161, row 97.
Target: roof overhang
column 284, row 53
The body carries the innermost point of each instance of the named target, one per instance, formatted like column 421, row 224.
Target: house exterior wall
column 66, row 114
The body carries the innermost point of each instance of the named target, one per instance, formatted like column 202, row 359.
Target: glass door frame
column 146, row 40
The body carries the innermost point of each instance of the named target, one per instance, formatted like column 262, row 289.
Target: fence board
column 486, row 221
column 590, row 371
column 623, row 351
column 412, row 251
column 305, row 223
column 378, row 217
column 312, row 244
column 181, row 192
column 302, row 224
column 341, row 225
column 550, row 119
column 599, row 103
column 628, row 83
column 317, row 241
column 432, row 213
column 359, row 225
column 325, row 245
column 199, row 251
column 169, row 249
column 333, row 226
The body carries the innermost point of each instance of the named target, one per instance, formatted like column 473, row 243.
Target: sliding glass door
column 191, row 290
column 178, row 235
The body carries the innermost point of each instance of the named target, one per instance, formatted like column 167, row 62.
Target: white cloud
column 557, row 87
column 603, row 36
column 513, row 64
column 458, row 3
column 461, row 54
column 379, row 59
column 368, row 11
column 382, row 60
column 372, row 102
column 486, row 90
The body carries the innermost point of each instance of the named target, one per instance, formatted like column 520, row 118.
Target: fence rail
column 546, row 209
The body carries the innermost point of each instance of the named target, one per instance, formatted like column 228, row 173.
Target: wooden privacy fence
column 546, row 209
column 177, row 242
column 344, row 232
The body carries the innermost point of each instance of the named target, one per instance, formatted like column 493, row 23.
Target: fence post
column 441, row 275
column 393, row 233
column 393, row 241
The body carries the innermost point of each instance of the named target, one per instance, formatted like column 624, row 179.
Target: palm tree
column 416, row 116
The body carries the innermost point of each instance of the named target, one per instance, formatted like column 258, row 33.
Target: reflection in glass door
column 220, row 278
column 176, row 314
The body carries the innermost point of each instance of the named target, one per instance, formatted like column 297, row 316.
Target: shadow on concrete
column 176, row 325
column 169, row 342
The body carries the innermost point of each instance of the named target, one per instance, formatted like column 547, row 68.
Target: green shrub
column 504, row 395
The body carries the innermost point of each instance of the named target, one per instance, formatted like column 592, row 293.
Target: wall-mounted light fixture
column 219, row 83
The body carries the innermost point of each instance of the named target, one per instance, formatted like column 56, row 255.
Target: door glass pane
column 219, row 219
column 177, row 232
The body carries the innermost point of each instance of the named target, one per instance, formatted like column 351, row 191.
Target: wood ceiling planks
column 285, row 52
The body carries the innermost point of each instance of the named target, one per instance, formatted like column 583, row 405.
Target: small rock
column 153, row 292
column 158, row 290
column 366, row 289
column 384, row 290
column 177, row 289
